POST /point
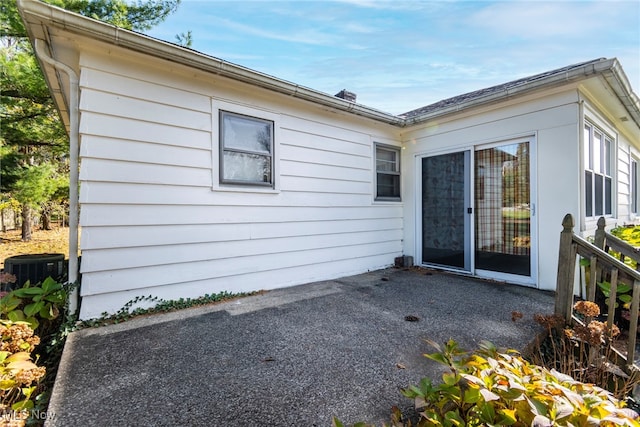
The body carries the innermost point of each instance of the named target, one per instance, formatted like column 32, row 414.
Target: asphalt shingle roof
column 478, row 94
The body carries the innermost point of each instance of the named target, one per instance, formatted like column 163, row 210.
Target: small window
column 387, row 173
column 246, row 146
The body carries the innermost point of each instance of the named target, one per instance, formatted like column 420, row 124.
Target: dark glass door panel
column 445, row 222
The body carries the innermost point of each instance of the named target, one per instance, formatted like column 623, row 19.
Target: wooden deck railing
column 601, row 264
column 607, row 241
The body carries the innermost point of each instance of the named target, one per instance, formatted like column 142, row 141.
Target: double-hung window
column 246, row 150
column 598, row 170
column 387, row 173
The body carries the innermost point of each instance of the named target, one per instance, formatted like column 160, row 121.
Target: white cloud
column 386, row 4
column 308, row 36
column 547, row 20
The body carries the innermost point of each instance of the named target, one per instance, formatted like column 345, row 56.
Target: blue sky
column 401, row 55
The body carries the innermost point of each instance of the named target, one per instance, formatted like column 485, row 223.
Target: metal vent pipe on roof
column 346, row 95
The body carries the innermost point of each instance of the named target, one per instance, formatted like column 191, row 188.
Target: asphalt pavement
column 289, row 357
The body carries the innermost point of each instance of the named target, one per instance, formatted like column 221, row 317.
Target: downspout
column 74, row 144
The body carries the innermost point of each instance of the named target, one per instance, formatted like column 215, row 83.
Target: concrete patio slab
column 289, row 357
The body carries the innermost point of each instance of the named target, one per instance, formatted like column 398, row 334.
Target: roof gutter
column 617, row 79
column 610, row 69
column 74, row 144
column 111, row 34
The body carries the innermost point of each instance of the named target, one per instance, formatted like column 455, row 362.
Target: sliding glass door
column 445, row 220
column 477, row 210
column 503, row 209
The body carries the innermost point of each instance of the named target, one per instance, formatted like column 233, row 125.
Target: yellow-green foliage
column 493, row 388
column 630, row 235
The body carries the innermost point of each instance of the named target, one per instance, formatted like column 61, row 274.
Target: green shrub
column 34, row 304
column 491, row 388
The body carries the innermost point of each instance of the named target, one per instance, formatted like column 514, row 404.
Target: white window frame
column 598, row 162
column 397, row 172
column 634, row 197
column 217, row 106
column 229, row 149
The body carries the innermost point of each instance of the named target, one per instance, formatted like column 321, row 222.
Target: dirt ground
column 53, row 241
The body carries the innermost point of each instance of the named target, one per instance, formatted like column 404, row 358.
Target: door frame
column 531, row 138
column 469, row 225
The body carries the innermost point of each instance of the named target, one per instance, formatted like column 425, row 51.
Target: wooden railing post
column 600, row 236
column 633, row 326
column 566, row 270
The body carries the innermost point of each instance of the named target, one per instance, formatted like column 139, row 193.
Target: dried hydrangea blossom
column 17, row 337
column 587, row 308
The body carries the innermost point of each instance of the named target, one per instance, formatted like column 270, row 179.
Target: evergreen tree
column 33, row 143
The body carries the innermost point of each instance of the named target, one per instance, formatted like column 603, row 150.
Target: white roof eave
column 51, row 16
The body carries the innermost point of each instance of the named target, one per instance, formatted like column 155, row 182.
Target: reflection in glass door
column 503, row 209
column 445, row 221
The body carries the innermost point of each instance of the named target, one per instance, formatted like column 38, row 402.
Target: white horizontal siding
column 325, row 185
column 332, row 125
column 324, row 143
column 146, row 111
column 170, row 274
column 152, row 221
column 143, row 152
column 296, row 168
column 293, row 153
column 93, row 215
column 129, row 129
column 117, row 171
column 233, row 250
column 623, row 186
column 95, row 305
column 140, row 88
column 115, row 193
column 165, row 235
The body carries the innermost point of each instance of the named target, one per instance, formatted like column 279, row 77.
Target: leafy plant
column 162, row 306
column 630, row 235
column 622, row 293
column 492, row 388
column 34, row 303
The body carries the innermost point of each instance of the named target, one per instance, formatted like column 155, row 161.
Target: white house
column 197, row 175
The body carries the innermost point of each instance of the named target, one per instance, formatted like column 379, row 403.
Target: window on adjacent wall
column 634, row 186
column 246, row 150
column 598, row 169
column 387, row 173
